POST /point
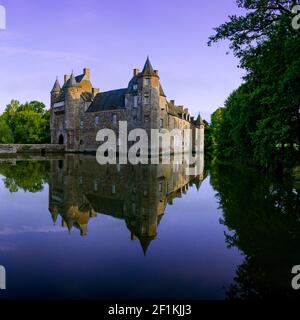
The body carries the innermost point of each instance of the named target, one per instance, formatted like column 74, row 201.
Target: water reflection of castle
column 79, row 188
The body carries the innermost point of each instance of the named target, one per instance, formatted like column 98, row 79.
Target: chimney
column 172, row 102
column 66, row 77
column 95, row 91
column 87, row 73
column 135, row 72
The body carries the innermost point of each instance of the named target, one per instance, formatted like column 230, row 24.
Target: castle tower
column 149, row 87
column 142, row 100
column 72, row 113
column 55, row 92
column 201, row 126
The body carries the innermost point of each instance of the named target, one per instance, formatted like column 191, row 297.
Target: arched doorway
column 61, row 139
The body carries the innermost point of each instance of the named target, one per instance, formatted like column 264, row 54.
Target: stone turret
column 200, row 125
column 148, row 73
column 149, row 88
column 73, row 93
column 55, row 92
column 199, row 122
column 71, row 83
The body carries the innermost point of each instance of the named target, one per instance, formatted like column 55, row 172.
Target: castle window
column 114, row 119
column 113, row 189
column 161, row 124
column 146, row 98
column 97, row 120
column 135, row 101
column 146, row 82
column 146, row 118
column 135, row 87
column 160, row 187
column 81, row 124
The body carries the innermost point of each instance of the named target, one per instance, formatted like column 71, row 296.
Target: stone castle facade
column 79, row 111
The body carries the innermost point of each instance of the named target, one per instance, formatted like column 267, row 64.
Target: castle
column 79, row 111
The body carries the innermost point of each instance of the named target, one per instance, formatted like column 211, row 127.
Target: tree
column 29, row 122
column 258, row 24
column 6, row 135
column 261, row 120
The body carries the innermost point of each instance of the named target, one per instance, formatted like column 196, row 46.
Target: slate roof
column 109, row 100
column 56, row 86
column 173, row 110
column 161, row 91
column 199, row 120
column 79, row 78
column 108, row 206
column 132, row 82
column 72, row 82
column 87, row 96
column 148, row 69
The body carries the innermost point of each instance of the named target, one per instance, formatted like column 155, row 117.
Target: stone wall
column 105, row 121
column 9, row 149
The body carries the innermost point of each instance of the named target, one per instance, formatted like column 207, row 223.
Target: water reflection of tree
column 29, row 176
column 264, row 217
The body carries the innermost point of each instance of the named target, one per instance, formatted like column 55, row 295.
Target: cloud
column 8, row 50
column 13, row 231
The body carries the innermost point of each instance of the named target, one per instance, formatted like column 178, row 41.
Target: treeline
column 260, row 122
column 25, row 123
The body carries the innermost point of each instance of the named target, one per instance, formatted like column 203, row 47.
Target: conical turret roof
column 199, row 120
column 148, row 69
column 56, row 87
column 72, row 82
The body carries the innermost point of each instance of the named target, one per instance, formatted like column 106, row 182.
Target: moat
column 72, row 229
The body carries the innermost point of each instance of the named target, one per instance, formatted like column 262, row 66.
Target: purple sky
column 45, row 39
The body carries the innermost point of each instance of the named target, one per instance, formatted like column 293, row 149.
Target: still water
column 71, row 229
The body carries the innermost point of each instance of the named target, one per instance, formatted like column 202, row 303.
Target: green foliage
column 29, row 122
column 29, row 176
column 6, row 135
column 212, row 132
column 261, row 121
